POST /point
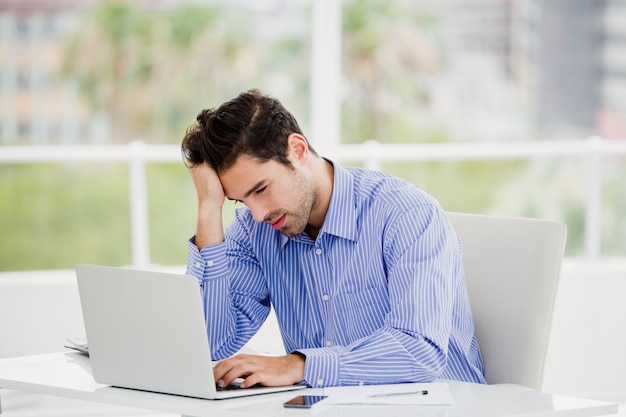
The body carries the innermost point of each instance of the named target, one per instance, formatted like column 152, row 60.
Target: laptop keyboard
column 235, row 385
column 229, row 387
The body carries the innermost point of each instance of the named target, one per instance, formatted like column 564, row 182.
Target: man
column 363, row 269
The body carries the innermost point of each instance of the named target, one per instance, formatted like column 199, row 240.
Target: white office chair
column 512, row 267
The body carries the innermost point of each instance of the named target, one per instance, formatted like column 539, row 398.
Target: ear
column 298, row 149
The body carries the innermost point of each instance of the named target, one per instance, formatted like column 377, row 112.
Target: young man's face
column 281, row 196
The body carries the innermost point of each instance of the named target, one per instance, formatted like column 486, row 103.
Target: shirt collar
column 341, row 216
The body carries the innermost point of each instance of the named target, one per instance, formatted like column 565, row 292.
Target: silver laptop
column 146, row 330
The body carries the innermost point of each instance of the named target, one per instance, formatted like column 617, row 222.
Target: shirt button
column 210, row 263
column 198, row 264
column 326, row 297
column 318, row 251
column 329, row 343
column 320, row 381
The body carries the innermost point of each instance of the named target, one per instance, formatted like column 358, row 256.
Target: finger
column 252, row 380
column 231, row 376
column 221, row 369
column 230, row 369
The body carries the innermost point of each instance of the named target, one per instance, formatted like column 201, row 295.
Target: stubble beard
column 305, row 197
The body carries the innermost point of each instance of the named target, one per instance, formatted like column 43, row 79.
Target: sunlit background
column 409, row 72
column 504, row 107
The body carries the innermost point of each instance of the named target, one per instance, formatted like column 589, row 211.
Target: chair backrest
column 512, row 267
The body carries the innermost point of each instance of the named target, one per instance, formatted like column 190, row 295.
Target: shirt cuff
column 321, row 367
column 208, row 263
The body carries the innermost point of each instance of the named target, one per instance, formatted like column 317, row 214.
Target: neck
column 324, row 175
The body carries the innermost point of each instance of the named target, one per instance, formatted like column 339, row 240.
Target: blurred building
column 482, row 26
column 581, row 66
column 566, row 57
column 611, row 115
column 564, row 61
column 37, row 104
column 35, row 107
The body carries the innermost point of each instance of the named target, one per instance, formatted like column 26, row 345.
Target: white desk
column 68, row 375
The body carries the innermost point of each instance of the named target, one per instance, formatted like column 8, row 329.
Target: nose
column 259, row 212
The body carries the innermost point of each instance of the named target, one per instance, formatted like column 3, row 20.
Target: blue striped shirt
column 379, row 296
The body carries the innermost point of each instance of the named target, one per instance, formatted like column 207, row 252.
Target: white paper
column 438, row 393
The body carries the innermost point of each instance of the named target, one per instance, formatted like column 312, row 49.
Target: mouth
column 278, row 223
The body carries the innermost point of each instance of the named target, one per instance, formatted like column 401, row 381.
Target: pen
column 395, row 394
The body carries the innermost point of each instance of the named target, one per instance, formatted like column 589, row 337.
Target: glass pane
column 614, row 207
column 550, row 189
column 55, row 216
column 155, row 68
column 172, row 209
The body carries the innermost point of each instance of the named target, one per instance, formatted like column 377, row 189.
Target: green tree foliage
column 390, row 53
column 151, row 71
column 54, row 216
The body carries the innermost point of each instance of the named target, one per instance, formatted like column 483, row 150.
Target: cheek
column 277, row 201
column 264, row 204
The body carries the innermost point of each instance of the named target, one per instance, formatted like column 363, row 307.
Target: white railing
column 372, row 154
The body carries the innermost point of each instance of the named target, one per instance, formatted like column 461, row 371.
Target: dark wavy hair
column 251, row 124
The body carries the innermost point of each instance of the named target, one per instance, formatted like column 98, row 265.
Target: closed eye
column 235, row 201
column 260, row 190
